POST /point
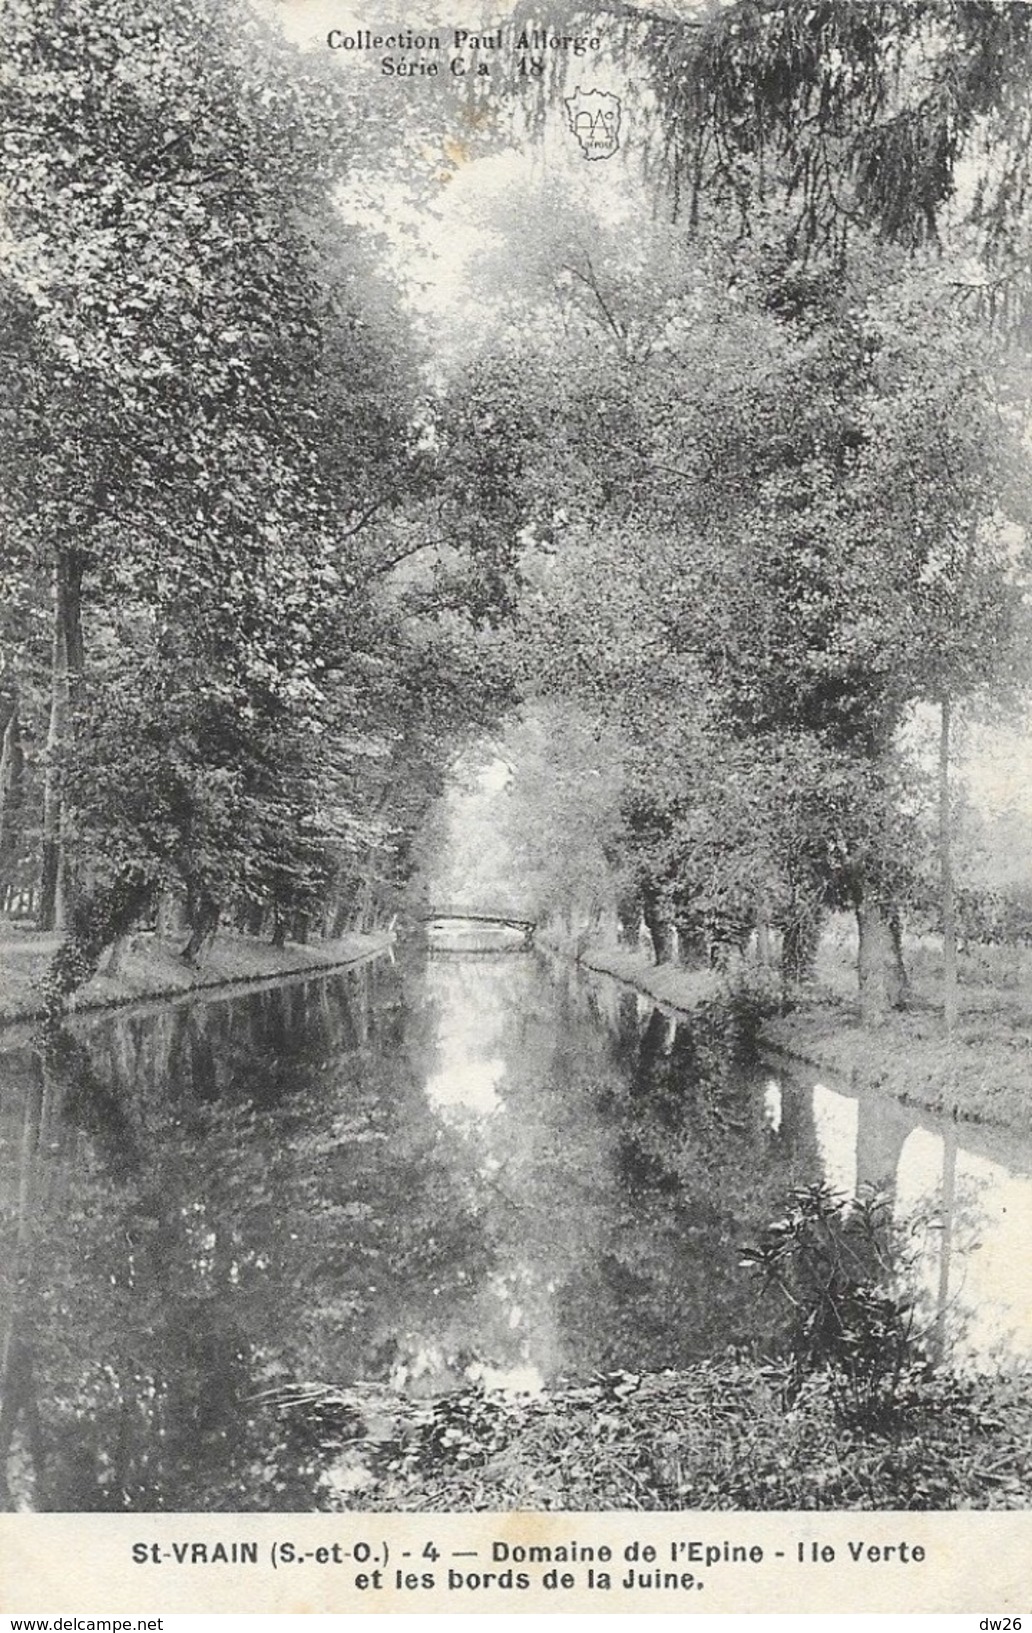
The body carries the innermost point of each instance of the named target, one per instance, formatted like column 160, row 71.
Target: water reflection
column 963, row 1216
column 447, row 1170
column 836, row 1120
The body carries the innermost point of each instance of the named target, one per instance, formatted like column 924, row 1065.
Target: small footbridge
column 506, row 918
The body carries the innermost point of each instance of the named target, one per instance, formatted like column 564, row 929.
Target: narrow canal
column 419, row 1173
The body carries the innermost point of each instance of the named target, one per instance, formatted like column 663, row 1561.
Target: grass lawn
column 982, row 1074
column 152, row 968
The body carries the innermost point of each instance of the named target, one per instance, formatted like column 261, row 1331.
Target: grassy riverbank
column 667, row 983
column 153, row 968
column 725, row 1434
column 982, row 1074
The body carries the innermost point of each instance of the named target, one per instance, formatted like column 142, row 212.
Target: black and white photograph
column 516, row 768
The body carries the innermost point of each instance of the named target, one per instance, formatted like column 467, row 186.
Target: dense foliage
column 728, row 483
column 775, row 483
column 212, row 462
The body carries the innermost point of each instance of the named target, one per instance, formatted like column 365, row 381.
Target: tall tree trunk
column 203, row 917
column 12, row 787
column 96, row 919
column 693, row 952
column 50, row 862
column 65, row 673
column 902, row 987
column 363, row 910
column 628, row 918
column 947, row 901
column 764, row 951
column 800, row 940
column 659, row 925
column 170, row 916
column 71, row 566
column 340, row 917
column 878, row 969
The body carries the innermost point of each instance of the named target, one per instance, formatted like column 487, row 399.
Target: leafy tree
column 215, row 439
column 734, row 523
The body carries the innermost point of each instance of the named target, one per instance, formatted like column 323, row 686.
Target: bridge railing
column 476, row 915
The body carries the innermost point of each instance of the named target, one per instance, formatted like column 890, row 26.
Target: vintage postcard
column 515, row 806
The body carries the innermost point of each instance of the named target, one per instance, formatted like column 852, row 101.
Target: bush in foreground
column 726, row 1434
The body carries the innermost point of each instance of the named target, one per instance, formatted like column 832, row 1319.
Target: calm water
column 446, row 1169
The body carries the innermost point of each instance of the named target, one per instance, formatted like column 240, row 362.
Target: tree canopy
column 727, row 478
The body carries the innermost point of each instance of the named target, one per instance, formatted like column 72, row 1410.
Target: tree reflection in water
column 420, row 1174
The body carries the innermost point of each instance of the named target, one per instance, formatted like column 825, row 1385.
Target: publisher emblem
column 594, row 118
